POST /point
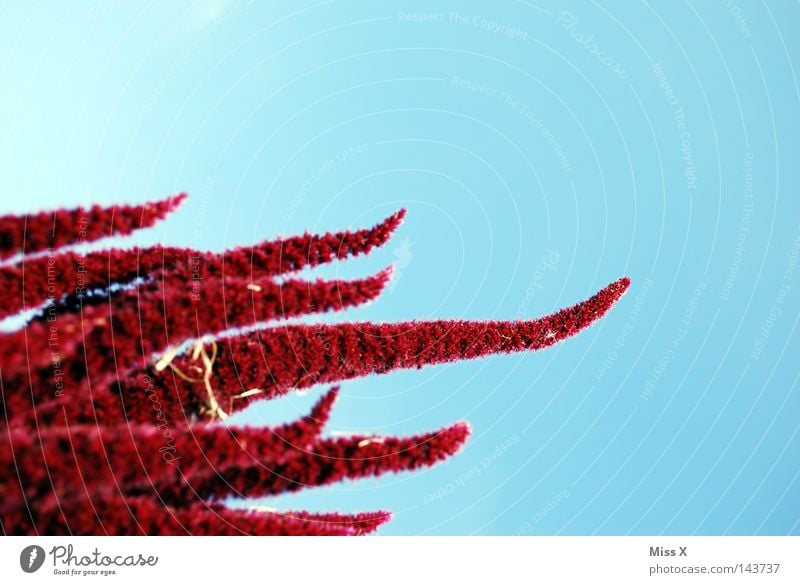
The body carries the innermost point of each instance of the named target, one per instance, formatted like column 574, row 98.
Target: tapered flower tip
column 346, row 524
column 450, row 440
column 384, row 230
column 322, row 409
column 572, row 320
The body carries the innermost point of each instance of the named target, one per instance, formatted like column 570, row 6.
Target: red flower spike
column 35, row 281
column 101, row 436
column 54, row 229
column 139, row 516
column 279, row 359
column 208, row 462
column 301, row 356
column 137, row 324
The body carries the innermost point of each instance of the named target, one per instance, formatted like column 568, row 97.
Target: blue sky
column 542, row 151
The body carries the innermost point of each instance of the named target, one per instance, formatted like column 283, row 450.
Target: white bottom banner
column 372, row 560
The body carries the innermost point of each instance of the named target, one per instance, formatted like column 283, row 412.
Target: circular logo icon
column 31, row 558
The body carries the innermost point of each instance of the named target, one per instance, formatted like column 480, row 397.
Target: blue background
column 541, row 155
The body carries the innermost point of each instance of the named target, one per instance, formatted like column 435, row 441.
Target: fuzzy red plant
column 112, row 393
